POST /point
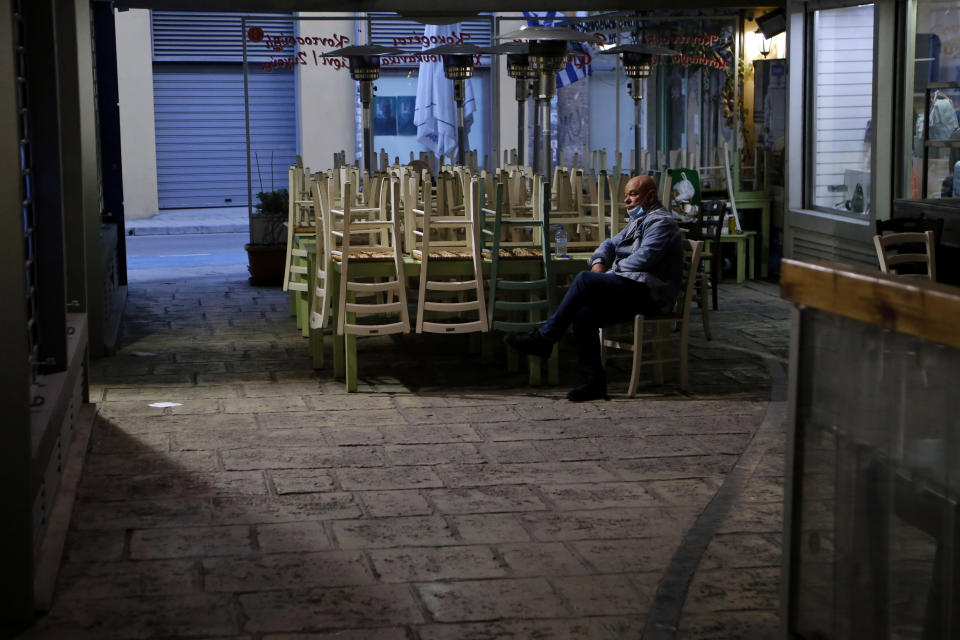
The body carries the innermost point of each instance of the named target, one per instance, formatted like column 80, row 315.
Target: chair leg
column 637, row 355
column 704, row 311
column 683, row 356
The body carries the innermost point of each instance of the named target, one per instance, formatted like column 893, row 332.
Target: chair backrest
column 903, row 253
column 908, row 224
column 693, row 249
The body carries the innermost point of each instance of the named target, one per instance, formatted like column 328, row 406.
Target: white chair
column 663, row 329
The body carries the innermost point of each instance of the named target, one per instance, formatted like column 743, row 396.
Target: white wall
column 137, row 139
column 326, row 101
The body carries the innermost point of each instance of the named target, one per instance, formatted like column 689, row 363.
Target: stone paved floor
column 445, row 500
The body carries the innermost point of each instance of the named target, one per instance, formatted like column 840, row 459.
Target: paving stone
column 448, row 415
column 600, row 495
column 692, row 492
column 111, row 440
column 606, row 594
column 433, row 454
column 718, row 625
column 142, row 408
column 764, row 489
column 115, row 464
column 273, row 389
column 734, row 589
column 485, row 499
column 150, row 487
column 603, row 524
column 394, row 633
column 316, row 609
column 651, row 446
column 189, row 542
column 753, row 517
column 94, row 546
column 446, row 398
column 597, row 628
column 392, row 478
column 301, row 458
column 353, row 436
column 530, row 473
column 540, row 559
column 703, row 466
column 288, row 508
column 351, row 402
column 429, row 434
column 382, row 504
column 302, row 480
column 242, row 438
column 264, row 405
column 511, row 452
column 742, row 550
column 569, row 449
column 142, row 618
column 554, row 429
column 292, row 536
column 328, row 418
column 182, row 512
column 280, row 571
column 634, row 555
column 419, row 564
column 491, row 600
column 227, row 377
column 98, row 580
column 174, row 394
column 489, row 528
column 393, row 532
column 172, row 424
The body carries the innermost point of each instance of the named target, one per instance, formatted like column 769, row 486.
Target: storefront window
column 936, row 98
column 841, row 109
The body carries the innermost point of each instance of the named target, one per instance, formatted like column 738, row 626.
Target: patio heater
column 636, row 64
column 547, row 55
column 365, row 68
column 458, row 66
column 518, row 68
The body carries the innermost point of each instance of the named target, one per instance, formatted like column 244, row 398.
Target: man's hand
column 599, row 268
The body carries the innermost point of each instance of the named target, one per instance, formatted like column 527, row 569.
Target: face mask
column 635, row 213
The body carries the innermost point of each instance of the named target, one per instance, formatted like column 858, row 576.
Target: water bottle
column 956, row 180
column 560, row 244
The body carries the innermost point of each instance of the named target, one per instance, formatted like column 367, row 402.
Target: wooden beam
column 927, row 310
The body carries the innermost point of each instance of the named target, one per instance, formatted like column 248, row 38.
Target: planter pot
column 266, row 263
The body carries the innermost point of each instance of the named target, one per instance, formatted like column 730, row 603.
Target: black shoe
column 533, row 343
column 589, row 391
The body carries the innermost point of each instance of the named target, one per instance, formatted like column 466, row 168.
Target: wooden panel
column 923, row 309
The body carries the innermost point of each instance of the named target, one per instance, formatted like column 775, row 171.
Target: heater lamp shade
column 773, row 23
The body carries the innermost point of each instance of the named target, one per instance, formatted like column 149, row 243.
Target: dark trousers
column 596, row 300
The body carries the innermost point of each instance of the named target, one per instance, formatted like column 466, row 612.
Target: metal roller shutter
column 199, row 112
column 201, row 137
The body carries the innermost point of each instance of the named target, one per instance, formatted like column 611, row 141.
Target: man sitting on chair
column 639, row 270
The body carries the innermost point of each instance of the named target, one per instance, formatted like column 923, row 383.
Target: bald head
column 640, row 191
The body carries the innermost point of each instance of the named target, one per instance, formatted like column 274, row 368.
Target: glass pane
column 937, row 56
column 842, row 106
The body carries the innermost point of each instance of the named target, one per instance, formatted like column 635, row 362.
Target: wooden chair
column 451, row 251
column 528, row 292
column 300, row 220
column 319, row 293
column 913, row 224
column 663, row 329
column 377, row 291
column 900, row 254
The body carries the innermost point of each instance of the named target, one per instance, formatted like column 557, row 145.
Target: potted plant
column 266, row 253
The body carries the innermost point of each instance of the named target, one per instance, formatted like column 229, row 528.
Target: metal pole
column 535, row 153
column 636, row 133
column 459, row 97
column 246, row 122
column 366, row 100
column 545, row 135
column 523, row 94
